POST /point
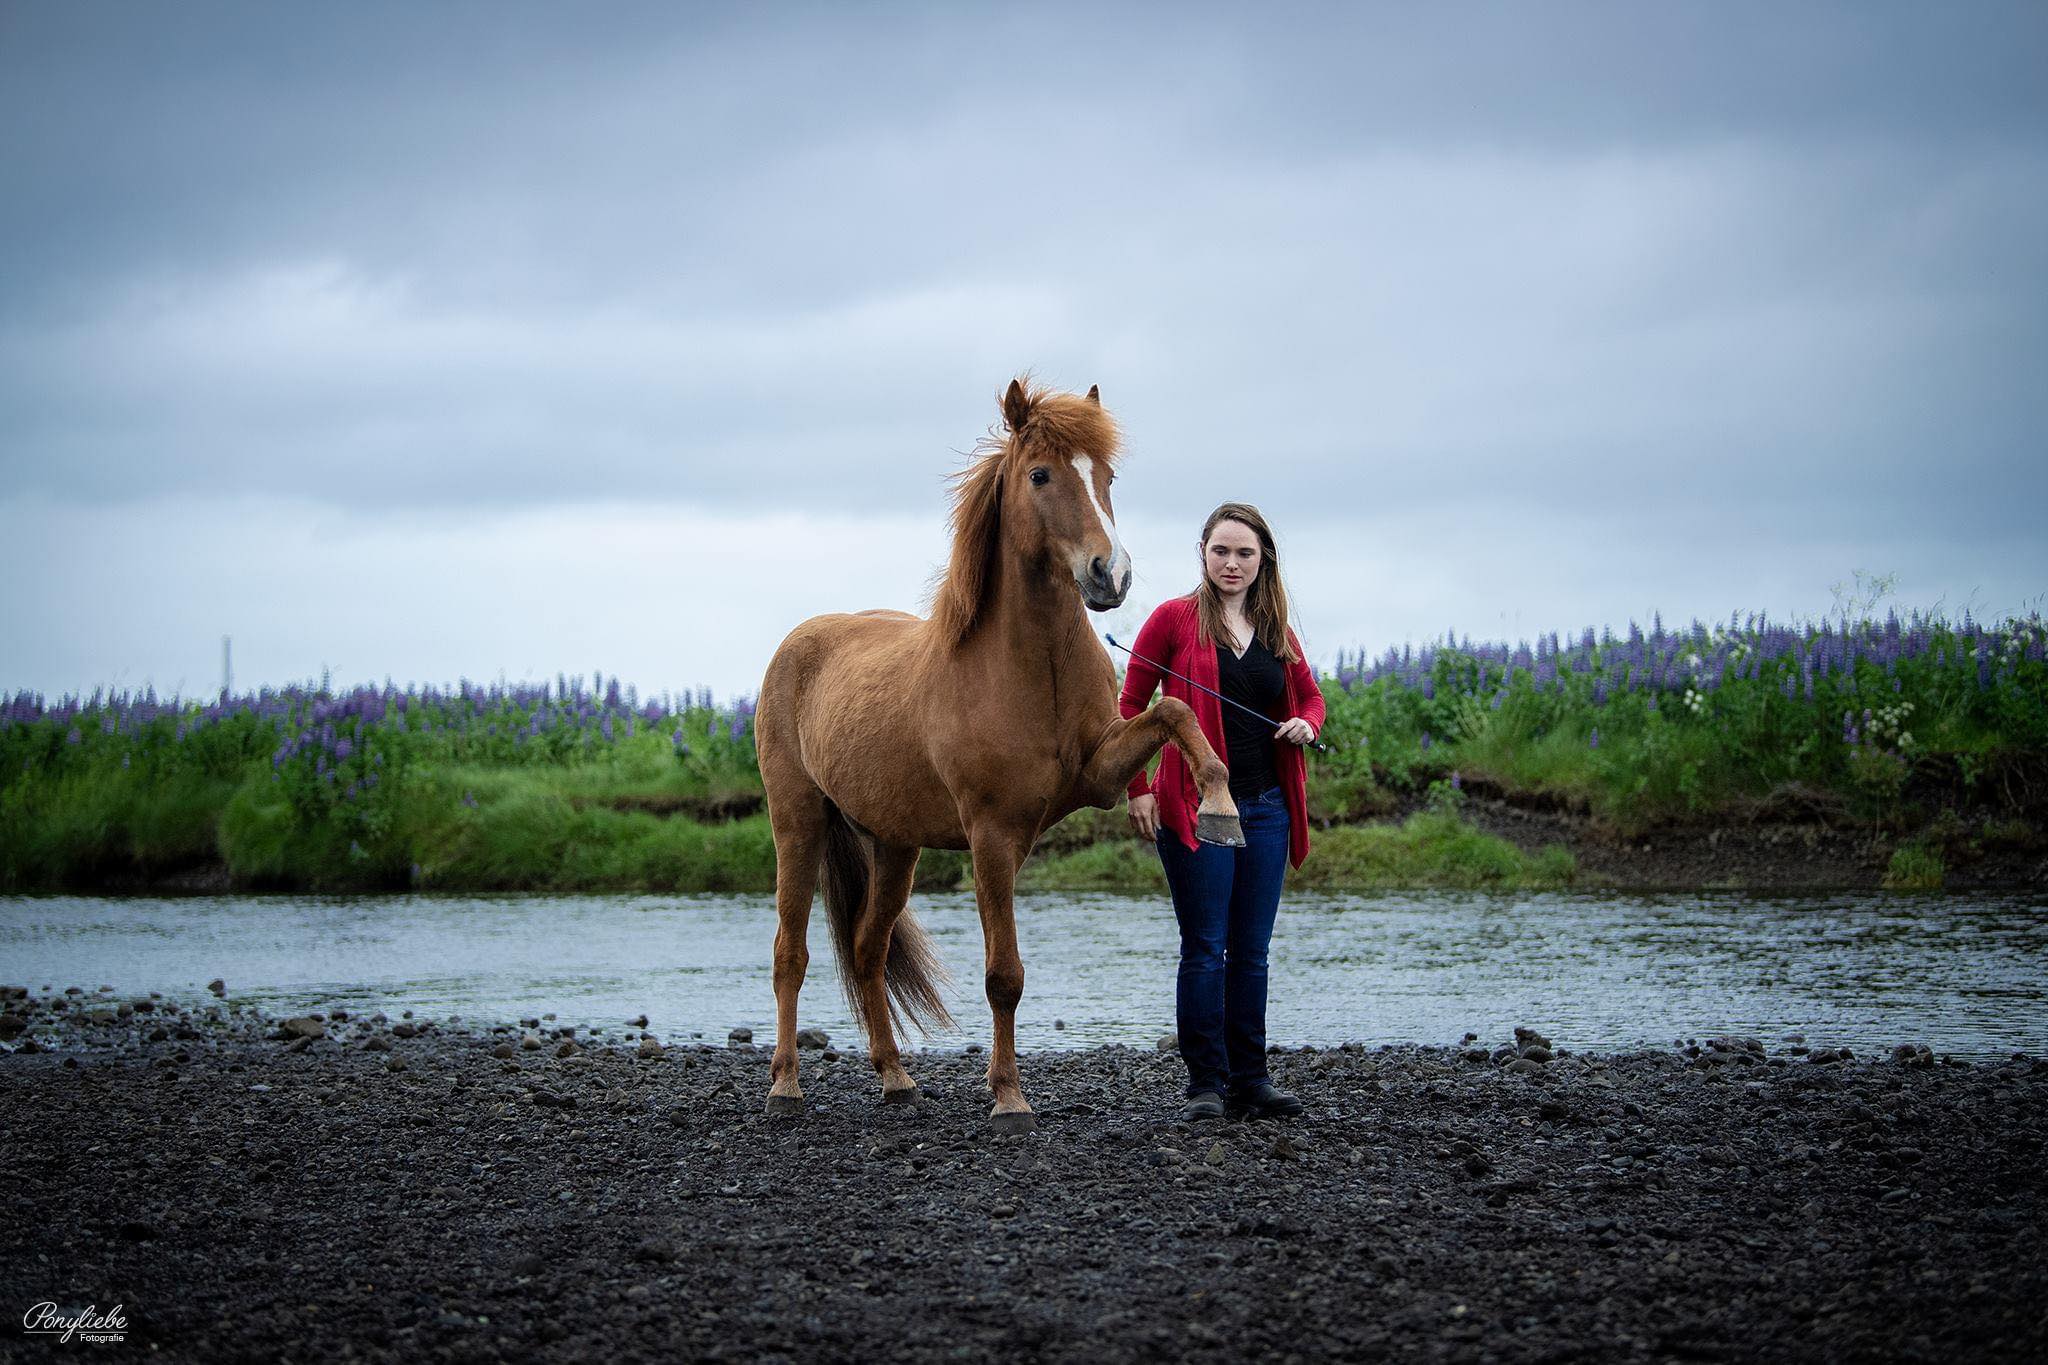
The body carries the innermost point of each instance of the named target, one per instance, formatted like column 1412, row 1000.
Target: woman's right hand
column 1145, row 816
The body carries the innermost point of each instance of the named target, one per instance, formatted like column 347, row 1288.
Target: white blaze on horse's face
column 1104, row 579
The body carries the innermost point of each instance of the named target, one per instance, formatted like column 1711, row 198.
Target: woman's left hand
column 1295, row 730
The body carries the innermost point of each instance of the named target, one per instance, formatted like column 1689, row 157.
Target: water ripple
column 1597, row 971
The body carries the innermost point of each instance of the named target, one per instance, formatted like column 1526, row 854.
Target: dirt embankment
column 396, row 1190
column 1794, row 841
column 1767, row 857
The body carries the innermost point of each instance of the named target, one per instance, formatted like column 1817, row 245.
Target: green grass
column 1914, row 867
column 472, row 829
column 85, row 828
column 1126, row 864
column 575, row 787
column 1429, row 849
column 1926, row 711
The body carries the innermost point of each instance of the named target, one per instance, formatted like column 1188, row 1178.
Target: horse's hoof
column 1010, row 1122
column 1219, row 829
column 907, row 1095
column 785, row 1106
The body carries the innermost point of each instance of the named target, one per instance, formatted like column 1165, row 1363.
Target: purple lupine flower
column 1425, row 741
column 1457, row 782
column 1593, row 740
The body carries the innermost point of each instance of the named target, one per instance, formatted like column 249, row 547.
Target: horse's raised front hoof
column 904, row 1095
column 1009, row 1122
column 1219, row 829
column 785, row 1106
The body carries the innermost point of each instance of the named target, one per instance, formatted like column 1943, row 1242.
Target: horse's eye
column 1039, row 477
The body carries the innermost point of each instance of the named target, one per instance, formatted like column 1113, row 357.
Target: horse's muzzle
column 1100, row 589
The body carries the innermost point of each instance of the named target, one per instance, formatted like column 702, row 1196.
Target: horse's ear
column 1016, row 407
column 1095, row 395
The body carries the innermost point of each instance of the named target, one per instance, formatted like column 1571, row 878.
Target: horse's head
column 1058, row 464
column 1037, row 497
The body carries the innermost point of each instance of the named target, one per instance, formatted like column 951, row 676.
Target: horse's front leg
column 996, row 858
column 1128, row 744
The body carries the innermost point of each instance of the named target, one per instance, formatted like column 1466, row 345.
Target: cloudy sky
column 431, row 341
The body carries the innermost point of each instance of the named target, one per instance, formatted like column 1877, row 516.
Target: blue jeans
column 1226, row 900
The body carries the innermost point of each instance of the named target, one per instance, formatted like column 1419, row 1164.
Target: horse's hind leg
column 797, row 817
column 888, row 893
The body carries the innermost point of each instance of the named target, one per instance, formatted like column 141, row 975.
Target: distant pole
column 227, row 666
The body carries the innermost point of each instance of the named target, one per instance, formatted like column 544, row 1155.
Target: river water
column 1595, row 971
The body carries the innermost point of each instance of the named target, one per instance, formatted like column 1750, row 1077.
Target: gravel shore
column 371, row 1189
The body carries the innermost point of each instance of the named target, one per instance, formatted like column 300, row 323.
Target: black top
column 1258, row 680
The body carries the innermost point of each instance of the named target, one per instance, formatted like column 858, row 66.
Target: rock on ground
column 486, row 1203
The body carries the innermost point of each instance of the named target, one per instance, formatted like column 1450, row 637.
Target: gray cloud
column 1722, row 287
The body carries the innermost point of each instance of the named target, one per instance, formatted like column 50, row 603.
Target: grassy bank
column 1428, row 849
column 1923, row 732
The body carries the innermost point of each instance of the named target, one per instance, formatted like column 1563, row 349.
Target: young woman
column 1230, row 634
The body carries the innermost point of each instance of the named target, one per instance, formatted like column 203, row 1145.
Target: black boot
column 1264, row 1101
column 1204, row 1104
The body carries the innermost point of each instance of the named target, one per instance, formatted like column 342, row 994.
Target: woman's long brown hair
column 1266, row 601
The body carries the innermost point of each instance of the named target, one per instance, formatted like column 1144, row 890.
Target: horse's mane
column 1042, row 424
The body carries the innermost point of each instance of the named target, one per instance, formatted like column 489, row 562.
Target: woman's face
column 1231, row 557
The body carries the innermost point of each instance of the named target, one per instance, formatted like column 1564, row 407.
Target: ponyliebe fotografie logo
column 87, row 1324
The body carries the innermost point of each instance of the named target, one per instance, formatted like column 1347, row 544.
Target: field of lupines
column 1662, row 724
column 380, row 786
column 581, row 785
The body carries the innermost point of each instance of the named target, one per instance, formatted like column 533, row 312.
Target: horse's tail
column 912, row 971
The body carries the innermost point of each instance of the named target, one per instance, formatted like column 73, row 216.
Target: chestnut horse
column 881, row 734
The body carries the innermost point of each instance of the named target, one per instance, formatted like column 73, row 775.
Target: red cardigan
column 1168, row 638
